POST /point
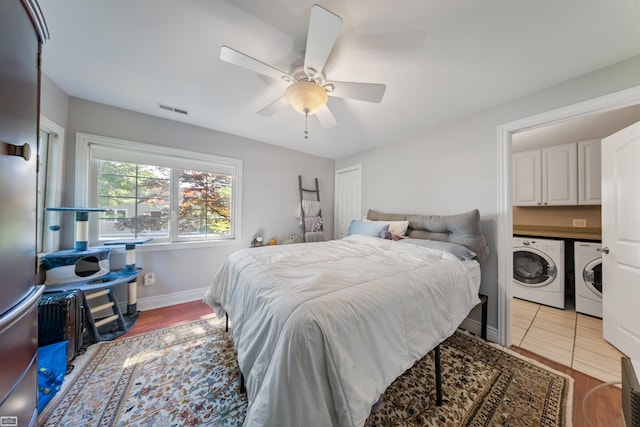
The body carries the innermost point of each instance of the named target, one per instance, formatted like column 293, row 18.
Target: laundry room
column 557, row 234
column 558, row 223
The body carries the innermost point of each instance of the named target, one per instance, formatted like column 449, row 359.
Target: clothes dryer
column 538, row 271
column 588, row 269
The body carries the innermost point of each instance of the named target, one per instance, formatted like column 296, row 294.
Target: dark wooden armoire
column 22, row 32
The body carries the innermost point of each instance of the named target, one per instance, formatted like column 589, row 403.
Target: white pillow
column 398, row 228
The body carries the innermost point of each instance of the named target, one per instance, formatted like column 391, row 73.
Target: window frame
column 49, row 240
column 86, row 172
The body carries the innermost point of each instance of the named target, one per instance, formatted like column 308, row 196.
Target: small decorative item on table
column 291, row 239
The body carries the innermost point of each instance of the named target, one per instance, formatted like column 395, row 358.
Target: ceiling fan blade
column 235, row 57
column 274, row 107
column 325, row 117
column 324, row 27
column 370, row 92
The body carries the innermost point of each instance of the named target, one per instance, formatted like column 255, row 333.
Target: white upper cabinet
column 546, row 176
column 589, row 180
column 527, row 178
column 560, row 175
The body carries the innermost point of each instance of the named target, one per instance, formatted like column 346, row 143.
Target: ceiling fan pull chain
column 306, row 117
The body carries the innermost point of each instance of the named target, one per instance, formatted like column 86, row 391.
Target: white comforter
column 322, row 329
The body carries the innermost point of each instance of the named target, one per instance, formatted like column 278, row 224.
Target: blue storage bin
column 52, row 367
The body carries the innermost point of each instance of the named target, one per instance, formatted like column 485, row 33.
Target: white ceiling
column 441, row 60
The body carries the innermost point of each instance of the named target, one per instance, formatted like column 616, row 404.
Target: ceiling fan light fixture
column 306, row 97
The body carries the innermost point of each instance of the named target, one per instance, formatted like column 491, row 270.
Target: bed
column 322, row 329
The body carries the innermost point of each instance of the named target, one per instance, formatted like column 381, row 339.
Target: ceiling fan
column 308, row 89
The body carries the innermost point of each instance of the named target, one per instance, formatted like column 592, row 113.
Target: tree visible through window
column 138, row 198
column 205, row 203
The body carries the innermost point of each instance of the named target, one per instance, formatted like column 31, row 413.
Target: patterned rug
column 188, row 376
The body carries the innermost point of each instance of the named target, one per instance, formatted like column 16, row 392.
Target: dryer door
column 532, row 268
column 592, row 275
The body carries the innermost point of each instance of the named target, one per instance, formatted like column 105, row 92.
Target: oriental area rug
column 188, row 376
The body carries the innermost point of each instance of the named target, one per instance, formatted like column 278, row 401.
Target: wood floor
column 602, row 407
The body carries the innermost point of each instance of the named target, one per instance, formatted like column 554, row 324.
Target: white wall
column 54, row 103
column 454, row 168
column 269, row 194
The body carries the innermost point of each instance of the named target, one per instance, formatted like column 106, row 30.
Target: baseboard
column 170, row 299
column 474, row 327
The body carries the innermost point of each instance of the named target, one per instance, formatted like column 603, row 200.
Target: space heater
column 630, row 392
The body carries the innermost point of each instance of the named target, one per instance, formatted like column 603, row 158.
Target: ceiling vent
column 173, row 109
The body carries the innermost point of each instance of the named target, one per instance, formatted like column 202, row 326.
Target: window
column 170, row 195
column 50, row 162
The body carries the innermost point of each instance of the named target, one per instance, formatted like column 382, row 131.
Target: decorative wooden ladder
column 303, row 190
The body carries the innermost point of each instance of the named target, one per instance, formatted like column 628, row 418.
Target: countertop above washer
column 586, row 233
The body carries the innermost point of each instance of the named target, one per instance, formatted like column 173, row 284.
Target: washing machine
column 538, row 271
column 588, row 267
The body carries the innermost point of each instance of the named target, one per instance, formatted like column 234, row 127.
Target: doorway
column 505, row 216
column 571, row 333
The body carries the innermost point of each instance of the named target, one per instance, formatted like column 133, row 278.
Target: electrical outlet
column 149, row 279
column 579, row 222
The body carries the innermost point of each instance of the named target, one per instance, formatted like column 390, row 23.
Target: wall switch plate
column 579, row 222
column 149, row 278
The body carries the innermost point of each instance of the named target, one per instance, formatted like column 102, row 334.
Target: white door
column 348, row 194
column 621, row 239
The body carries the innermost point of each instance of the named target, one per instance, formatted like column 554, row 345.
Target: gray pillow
column 464, row 229
column 462, row 252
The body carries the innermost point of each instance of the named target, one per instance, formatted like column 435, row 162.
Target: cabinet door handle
column 23, row 151
column 605, row 250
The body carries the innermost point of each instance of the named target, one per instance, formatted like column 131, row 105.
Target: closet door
column 347, row 203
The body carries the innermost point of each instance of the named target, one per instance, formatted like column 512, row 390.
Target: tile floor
column 564, row 336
